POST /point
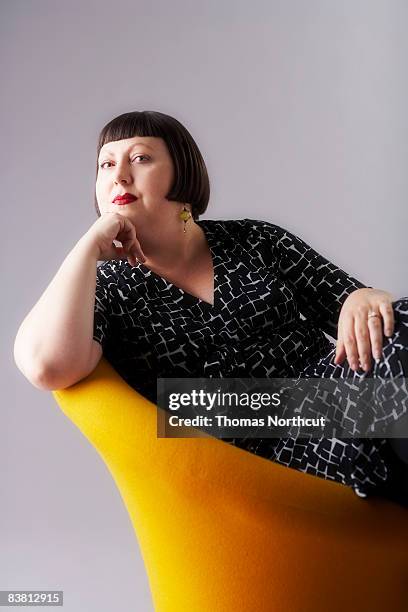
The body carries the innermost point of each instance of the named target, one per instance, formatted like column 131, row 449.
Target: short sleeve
column 101, row 308
column 320, row 287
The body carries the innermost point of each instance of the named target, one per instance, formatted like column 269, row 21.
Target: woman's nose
column 122, row 174
column 120, row 179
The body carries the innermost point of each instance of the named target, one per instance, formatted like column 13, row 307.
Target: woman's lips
column 123, row 201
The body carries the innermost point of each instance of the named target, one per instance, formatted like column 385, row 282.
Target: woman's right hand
column 113, row 226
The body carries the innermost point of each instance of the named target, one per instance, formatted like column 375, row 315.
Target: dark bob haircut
column 191, row 182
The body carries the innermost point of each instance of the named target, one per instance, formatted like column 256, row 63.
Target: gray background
column 299, row 109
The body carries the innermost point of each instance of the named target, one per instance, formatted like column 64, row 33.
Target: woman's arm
column 54, row 346
column 320, row 287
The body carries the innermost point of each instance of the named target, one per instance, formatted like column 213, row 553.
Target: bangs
column 129, row 125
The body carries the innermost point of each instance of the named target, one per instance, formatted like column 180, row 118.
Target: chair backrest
column 224, row 530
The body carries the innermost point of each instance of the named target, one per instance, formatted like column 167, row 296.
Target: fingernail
column 377, row 360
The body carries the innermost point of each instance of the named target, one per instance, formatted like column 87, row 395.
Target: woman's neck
column 167, row 250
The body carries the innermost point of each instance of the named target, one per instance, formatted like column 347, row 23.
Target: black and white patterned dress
column 274, row 296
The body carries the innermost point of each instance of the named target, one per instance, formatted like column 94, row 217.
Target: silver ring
column 373, row 314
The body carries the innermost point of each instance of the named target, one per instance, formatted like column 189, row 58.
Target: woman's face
column 141, row 166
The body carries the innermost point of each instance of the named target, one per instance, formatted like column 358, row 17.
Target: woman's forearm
column 54, row 342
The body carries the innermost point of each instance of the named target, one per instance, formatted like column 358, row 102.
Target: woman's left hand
column 360, row 336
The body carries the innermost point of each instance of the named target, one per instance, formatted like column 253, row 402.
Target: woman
column 183, row 297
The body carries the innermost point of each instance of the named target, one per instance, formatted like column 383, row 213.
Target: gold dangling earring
column 185, row 216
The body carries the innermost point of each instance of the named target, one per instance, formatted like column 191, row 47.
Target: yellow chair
column 223, row 530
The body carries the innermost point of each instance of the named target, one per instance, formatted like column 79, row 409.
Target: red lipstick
column 124, row 198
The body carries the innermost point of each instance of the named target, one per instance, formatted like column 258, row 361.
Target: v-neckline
column 172, row 287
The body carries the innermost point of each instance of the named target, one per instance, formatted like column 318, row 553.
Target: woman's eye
column 107, row 162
